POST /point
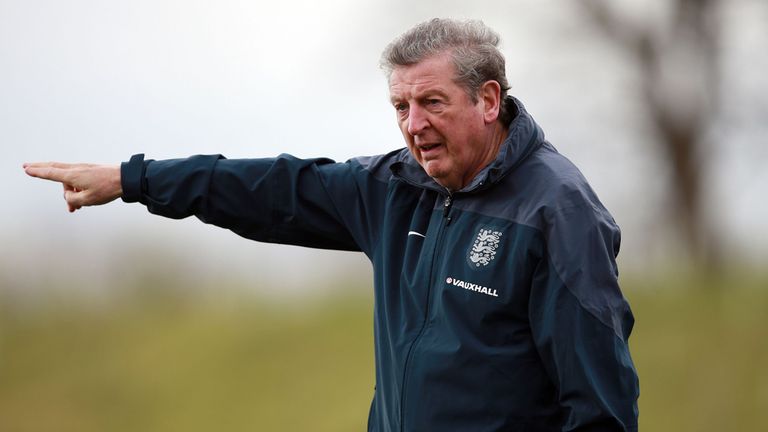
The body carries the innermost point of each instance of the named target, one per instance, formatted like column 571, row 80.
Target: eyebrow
column 422, row 95
column 435, row 91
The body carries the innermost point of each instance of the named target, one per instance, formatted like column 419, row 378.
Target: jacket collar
column 524, row 136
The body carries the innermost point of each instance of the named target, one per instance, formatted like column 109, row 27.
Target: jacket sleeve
column 581, row 322
column 312, row 202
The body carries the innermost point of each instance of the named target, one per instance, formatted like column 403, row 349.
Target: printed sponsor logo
column 471, row 287
column 483, row 250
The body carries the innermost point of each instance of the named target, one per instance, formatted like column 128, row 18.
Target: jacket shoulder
column 556, row 185
column 378, row 166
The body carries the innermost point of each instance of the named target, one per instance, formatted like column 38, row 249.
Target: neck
column 496, row 136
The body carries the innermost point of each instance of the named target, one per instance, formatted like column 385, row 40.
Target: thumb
column 73, row 197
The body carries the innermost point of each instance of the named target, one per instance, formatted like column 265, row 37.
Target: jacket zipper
column 446, row 220
column 447, row 209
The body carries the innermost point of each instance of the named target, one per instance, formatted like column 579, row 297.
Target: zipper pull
column 447, row 208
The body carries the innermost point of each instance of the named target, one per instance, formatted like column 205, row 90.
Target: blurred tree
column 679, row 72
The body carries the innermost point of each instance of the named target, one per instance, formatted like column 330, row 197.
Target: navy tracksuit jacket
column 497, row 307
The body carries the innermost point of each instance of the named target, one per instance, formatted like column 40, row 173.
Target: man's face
column 445, row 131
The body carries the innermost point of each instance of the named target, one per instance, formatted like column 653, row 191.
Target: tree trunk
column 679, row 73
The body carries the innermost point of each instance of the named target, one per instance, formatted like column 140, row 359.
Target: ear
column 490, row 96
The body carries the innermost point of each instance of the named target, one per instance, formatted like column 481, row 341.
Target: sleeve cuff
column 132, row 178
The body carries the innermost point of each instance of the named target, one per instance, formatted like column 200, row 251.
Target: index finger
column 48, row 171
column 48, row 164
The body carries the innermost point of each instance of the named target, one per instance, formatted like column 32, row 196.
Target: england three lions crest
column 483, row 250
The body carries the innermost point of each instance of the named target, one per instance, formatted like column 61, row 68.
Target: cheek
column 412, row 146
column 408, row 139
column 461, row 155
column 404, row 130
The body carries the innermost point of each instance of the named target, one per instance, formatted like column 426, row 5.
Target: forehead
column 430, row 73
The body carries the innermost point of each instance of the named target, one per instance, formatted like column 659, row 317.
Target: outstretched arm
column 84, row 184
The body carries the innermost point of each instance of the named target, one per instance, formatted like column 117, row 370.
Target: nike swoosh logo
column 410, row 233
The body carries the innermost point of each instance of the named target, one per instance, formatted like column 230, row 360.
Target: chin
column 435, row 174
column 434, row 168
column 440, row 179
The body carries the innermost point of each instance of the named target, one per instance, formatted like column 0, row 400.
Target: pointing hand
column 84, row 184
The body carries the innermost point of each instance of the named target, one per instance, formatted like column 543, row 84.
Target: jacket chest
column 459, row 265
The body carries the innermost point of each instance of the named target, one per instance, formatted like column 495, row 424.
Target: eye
column 401, row 107
column 434, row 103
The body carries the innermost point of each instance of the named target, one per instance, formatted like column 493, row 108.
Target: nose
column 417, row 120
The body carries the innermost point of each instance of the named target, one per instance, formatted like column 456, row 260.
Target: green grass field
column 162, row 363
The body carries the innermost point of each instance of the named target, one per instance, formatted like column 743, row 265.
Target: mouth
column 426, row 148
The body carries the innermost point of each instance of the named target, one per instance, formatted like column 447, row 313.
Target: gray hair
column 472, row 45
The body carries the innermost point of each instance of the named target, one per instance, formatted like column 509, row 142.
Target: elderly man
column 497, row 306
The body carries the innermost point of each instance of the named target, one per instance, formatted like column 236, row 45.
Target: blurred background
column 114, row 319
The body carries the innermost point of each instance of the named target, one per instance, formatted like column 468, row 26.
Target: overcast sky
column 95, row 80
